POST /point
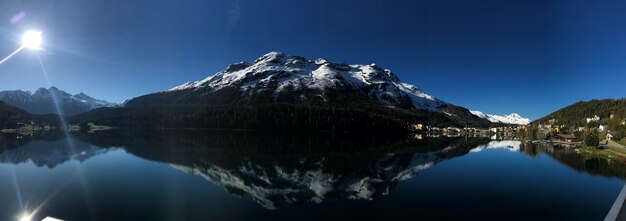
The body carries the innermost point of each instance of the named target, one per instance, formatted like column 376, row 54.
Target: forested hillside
column 11, row 116
column 277, row 116
column 576, row 114
column 595, row 117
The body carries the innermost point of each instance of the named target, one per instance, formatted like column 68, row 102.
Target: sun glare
column 26, row 217
column 31, row 39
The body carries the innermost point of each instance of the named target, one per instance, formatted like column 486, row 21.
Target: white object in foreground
column 51, row 219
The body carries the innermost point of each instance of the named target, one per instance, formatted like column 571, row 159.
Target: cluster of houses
column 558, row 132
column 551, row 127
column 570, row 138
column 430, row 131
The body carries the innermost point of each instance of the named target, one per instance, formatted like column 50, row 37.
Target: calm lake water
column 213, row 175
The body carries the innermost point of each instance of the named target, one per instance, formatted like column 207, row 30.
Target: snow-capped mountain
column 513, row 118
column 43, row 101
column 278, row 78
column 281, row 77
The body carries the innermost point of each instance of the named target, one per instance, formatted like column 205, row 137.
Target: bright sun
column 31, row 39
column 25, row 218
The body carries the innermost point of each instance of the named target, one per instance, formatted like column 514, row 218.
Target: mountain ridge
column 43, row 101
column 277, row 77
column 513, row 118
column 576, row 113
column 288, row 92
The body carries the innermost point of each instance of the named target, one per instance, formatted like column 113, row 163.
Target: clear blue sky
column 530, row 57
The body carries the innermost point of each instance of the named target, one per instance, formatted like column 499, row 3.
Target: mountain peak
column 513, row 118
column 44, row 92
column 82, row 95
column 321, row 61
column 41, row 90
column 277, row 75
column 271, row 57
column 43, row 101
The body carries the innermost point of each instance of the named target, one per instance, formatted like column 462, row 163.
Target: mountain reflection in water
column 279, row 171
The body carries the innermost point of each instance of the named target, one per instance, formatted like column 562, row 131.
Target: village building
column 453, row 129
column 602, row 128
column 565, row 138
column 594, row 118
column 609, row 136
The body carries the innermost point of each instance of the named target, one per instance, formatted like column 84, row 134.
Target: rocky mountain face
column 287, row 78
column 44, row 101
column 281, row 78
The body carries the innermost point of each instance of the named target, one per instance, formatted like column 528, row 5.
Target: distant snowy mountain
column 43, row 101
column 507, row 119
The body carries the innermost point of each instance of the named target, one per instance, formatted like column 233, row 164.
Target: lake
column 237, row 175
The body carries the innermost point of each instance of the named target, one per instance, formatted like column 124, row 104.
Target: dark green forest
column 575, row 114
column 11, row 116
column 273, row 116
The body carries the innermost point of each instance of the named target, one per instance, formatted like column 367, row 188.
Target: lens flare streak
column 64, row 128
column 11, row 55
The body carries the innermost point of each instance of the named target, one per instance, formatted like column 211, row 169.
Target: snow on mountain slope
column 17, row 95
column 93, row 102
column 277, row 72
column 43, row 101
column 513, row 118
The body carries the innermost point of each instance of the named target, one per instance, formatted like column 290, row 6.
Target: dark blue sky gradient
column 530, row 57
